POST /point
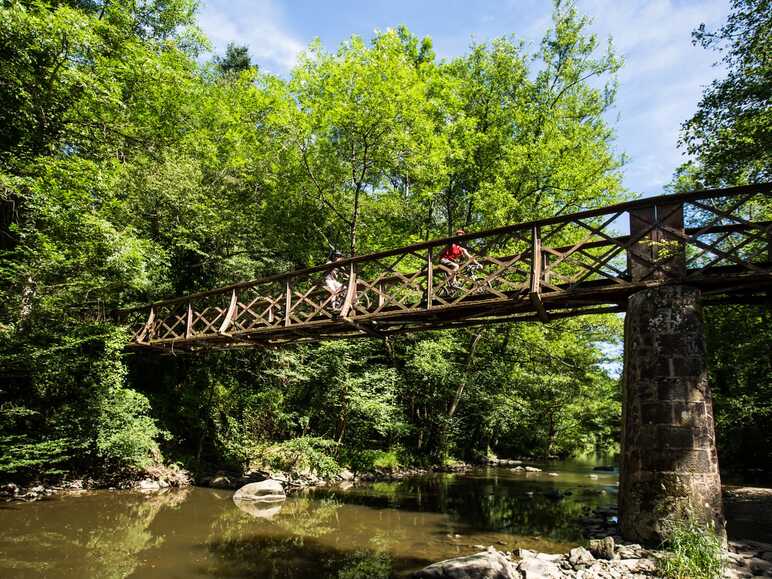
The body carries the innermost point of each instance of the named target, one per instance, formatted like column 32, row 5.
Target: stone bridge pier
column 669, row 466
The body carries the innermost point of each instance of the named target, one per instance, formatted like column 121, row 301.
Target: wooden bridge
column 718, row 241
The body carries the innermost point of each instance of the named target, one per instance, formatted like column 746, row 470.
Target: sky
column 659, row 85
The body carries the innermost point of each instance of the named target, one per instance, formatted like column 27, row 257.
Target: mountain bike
column 361, row 300
column 470, row 277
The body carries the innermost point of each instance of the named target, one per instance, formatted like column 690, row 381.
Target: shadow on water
column 299, row 557
column 524, row 506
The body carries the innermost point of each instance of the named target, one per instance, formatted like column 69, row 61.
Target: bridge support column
column 669, row 464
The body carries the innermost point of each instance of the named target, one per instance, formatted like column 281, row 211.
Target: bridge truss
column 562, row 266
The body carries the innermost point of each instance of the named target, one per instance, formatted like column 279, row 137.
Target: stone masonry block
column 675, row 437
column 672, row 389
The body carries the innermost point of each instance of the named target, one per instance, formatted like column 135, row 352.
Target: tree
column 70, row 95
column 730, row 139
column 522, row 147
column 730, row 135
column 361, row 118
column 236, row 60
column 129, row 171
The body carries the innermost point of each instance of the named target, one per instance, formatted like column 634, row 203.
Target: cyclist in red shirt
column 449, row 258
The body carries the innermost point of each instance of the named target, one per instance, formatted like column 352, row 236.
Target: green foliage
column 366, row 564
column 303, row 454
column 372, row 460
column 740, row 379
column 130, row 171
column 693, row 552
column 126, row 434
column 23, row 458
column 731, row 133
column 236, row 60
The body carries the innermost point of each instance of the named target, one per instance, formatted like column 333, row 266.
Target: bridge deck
column 718, row 240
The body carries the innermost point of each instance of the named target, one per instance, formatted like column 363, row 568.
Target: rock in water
column 346, row 475
column 267, row 491
column 489, row 564
column 148, row 485
column 220, row 482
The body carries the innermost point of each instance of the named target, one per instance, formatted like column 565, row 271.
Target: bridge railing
column 591, row 257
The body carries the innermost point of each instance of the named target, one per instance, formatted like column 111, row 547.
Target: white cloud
column 255, row 23
column 661, row 81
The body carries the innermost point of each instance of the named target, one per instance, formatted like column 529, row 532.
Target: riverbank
column 159, row 479
column 603, row 559
column 154, row 478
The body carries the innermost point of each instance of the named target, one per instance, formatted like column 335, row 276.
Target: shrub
column 23, row 459
column 694, row 551
column 303, row 454
column 126, row 433
column 370, row 460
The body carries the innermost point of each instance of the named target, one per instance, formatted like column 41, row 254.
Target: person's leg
column 334, row 287
column 453, row 268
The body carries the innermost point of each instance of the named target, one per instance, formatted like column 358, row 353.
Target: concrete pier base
column 669, row 466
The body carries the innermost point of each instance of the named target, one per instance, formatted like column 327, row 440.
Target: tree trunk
column 551, row 432
column 462, row 384
column 354, row 222
column 341, row 428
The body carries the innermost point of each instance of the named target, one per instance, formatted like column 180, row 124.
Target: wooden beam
column 365, row 327
column 287, row 301
column 229, row 314
column 670, row 250
column 148, row 325
column 189, row 322
column 536, row 272
column 640, row 256
column 429, row 279
column 351, row 292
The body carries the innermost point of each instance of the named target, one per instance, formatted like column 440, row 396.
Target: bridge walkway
column 719, row 241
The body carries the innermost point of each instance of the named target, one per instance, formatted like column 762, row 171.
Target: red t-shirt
column 452, row 253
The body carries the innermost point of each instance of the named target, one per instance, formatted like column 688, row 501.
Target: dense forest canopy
column 730, row 142
column 131, row 170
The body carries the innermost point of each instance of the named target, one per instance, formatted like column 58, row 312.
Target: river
column 371, row 530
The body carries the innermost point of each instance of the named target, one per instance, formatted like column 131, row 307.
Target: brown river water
column 373, row 530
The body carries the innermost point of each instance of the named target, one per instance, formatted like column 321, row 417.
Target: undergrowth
column 694, row 551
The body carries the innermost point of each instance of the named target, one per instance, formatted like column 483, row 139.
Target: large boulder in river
column 265, row 491
column 489, row 564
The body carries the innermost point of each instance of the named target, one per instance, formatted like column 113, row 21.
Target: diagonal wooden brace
column 229, row 314
column 535, row 290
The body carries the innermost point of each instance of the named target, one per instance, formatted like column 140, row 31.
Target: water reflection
column 376, row 530
column 54, row 538
column 259, row 510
